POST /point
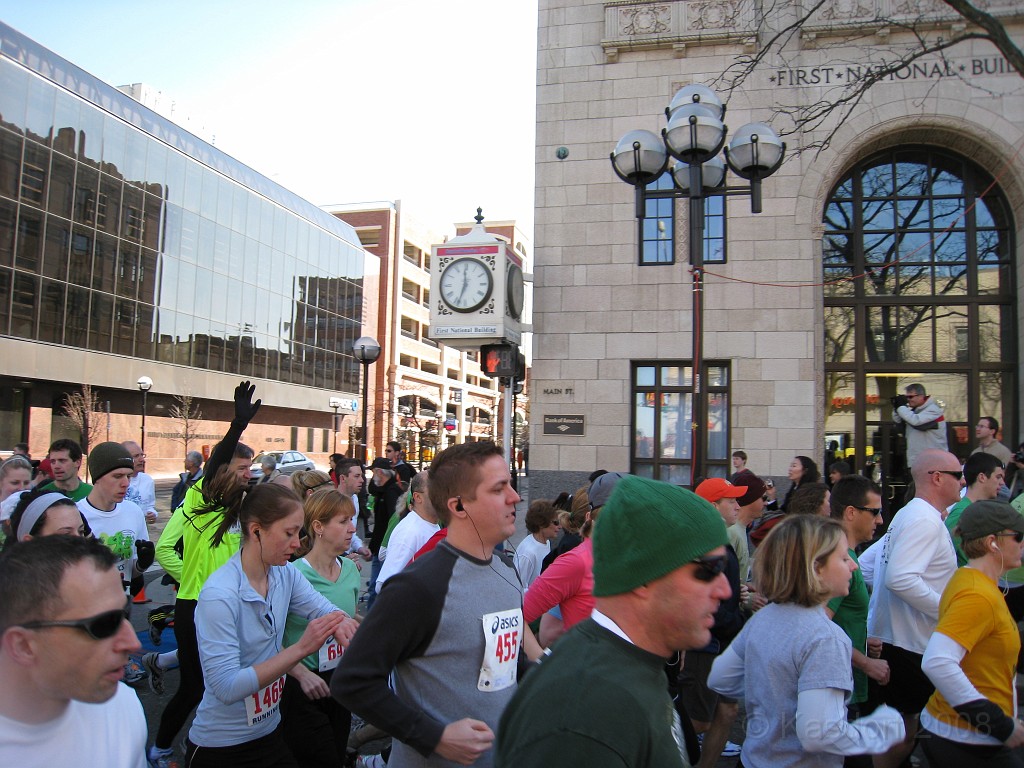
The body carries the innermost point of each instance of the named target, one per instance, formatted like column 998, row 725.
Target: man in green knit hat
column 601, row 697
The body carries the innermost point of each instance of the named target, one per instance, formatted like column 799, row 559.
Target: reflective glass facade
column 122, row 233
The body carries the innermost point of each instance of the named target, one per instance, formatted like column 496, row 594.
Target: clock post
column 477, row 292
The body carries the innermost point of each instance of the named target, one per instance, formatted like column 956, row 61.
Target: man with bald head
column 916, row 561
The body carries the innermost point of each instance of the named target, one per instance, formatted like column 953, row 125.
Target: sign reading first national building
column 850, row 74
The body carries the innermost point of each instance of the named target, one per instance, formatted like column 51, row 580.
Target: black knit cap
column 106, row 457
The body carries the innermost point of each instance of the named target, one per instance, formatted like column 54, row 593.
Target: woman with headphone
column 971, row 657
column 240, row 623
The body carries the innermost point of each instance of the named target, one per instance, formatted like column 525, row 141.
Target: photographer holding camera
column 924, row 417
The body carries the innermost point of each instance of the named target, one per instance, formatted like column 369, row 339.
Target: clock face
column 466, row 285
column 516, row 291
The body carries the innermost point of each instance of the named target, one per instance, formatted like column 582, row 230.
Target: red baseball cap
column 715, row 488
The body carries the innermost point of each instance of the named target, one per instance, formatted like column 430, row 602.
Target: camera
column 1019, row 456
column 898, row 400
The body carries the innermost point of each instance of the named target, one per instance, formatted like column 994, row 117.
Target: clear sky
column 426, row 101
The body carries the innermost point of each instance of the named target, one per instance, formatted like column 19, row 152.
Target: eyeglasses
column 955, row 474
column 98, row 627
column 873, row 510
column 709, row 568
column 1017, row 535
column 554, row 522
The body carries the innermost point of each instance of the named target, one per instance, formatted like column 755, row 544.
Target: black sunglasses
column 954, row 473
column 98, row 627
column 709, row 568
column 873, row 510
column 1017, row 535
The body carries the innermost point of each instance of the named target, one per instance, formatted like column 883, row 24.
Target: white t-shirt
column 530, row 555
column 357, row 543
column 142, row 491
column 119, row 529
column 112, row 734
column 409, row 535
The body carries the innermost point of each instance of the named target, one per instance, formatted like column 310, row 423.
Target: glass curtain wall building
column 122, row 233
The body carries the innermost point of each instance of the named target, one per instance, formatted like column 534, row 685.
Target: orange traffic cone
column 141, row 597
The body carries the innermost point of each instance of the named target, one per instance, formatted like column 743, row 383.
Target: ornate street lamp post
column 367, row 350
column 145, row 384
column 694, row 137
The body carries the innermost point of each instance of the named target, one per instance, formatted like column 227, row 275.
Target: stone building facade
column 887, row 251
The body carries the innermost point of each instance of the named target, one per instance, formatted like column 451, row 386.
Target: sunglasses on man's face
column 708, row 568
column 1017, row 535
column 954, row 473
column 98, row 627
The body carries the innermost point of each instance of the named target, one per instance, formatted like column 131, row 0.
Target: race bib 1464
column 264, row 703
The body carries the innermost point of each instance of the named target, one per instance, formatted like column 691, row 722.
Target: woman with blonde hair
column 307, row 481
column 792, row 664
column 316, row 726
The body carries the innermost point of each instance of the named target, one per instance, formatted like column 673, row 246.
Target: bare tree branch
column 995, row 32
column 186, row 414
column 783, row 37
column 83, row 409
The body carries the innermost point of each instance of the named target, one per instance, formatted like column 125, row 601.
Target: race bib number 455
column 503, row 633
column 264, row 703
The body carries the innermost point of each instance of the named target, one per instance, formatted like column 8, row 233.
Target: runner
column 240, row 623
column 193, row 524
column 64, row 640
column 45, row 513
column 316, row 727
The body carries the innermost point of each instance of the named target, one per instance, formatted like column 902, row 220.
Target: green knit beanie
column 648, row 529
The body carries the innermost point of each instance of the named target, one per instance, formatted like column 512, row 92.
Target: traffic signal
column 502, row 360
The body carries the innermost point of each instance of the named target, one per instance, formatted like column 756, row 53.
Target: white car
column 288, row 462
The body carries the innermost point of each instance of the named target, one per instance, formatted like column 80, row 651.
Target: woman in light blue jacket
column 240, row 622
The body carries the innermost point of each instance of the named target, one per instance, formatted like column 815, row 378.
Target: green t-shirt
column 851, row 614
column 392, row 524
column 83, row 490
column 951, row 520
column 344, row 593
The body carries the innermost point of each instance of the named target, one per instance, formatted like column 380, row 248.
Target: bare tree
column 186, row 414
column 83, row 409
column 887, row 46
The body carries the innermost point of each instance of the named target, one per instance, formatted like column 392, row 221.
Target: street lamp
column 694, row 136
column 335, row 403
column 145, row 384
column 367, row 350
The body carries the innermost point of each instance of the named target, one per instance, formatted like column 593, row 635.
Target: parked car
column 288, row 462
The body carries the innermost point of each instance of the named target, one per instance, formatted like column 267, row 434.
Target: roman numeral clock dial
column 466, row 285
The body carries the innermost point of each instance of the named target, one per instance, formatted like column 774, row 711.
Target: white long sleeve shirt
column 916, row 562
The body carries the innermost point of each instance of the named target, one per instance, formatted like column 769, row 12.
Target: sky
column 430, row 102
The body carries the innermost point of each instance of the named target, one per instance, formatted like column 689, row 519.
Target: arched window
column 917, row 260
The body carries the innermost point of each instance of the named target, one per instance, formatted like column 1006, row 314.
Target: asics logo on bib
column 504, row 622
